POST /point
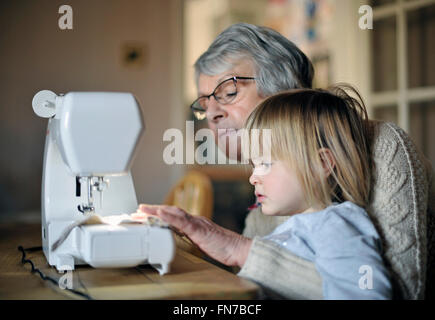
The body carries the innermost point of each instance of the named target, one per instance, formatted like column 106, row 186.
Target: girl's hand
column 219, row 243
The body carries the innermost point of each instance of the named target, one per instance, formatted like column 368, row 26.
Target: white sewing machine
column 91, row 138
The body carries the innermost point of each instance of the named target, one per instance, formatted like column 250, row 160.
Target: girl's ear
column 328, row 161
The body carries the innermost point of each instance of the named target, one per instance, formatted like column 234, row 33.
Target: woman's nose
column 214, row 111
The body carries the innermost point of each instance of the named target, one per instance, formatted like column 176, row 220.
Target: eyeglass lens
column 224, row 93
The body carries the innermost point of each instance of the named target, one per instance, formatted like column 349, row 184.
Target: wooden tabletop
column 190, row 277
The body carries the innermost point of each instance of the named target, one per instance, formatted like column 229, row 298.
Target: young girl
column 318, row 174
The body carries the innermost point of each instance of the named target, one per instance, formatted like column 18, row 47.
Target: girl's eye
column 262, row 168
column 266, row 164
column 261, row 164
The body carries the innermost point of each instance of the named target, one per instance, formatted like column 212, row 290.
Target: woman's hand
column 219, row 243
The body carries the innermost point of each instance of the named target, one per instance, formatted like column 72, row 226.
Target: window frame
column 403, row 96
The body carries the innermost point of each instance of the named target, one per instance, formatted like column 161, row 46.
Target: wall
column 36, row 54
column 349, row 48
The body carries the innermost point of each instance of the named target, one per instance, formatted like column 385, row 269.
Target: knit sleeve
column 280, row 272
column 257, row 224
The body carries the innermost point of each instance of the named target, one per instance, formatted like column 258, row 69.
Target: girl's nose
column 253, row 179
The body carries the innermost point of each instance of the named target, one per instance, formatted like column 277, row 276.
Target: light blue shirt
column 344, row 246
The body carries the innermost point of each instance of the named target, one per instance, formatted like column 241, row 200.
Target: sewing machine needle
column 101, row 199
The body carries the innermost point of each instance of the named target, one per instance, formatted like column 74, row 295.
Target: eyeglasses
column 224, row 93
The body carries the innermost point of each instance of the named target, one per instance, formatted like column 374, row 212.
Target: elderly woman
column 244, row 65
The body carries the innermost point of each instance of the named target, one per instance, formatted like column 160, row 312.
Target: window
column 403, row 67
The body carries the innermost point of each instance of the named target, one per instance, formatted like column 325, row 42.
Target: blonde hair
column 303, row 122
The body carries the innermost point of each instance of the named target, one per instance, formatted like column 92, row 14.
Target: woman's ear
column 328, row 161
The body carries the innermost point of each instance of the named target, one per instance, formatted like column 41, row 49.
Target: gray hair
column 279, row 64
